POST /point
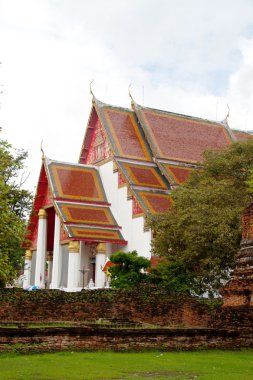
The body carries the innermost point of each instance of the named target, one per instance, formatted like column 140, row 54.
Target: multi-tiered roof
column 152, row 151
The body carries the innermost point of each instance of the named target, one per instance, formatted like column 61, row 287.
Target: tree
column 201, row 232
column 129, row 269
column 15, row 205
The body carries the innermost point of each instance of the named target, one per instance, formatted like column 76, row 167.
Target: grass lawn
column 206, row 365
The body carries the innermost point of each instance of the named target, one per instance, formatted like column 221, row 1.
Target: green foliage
column 129, row 269
column 15, row 204
column 175, row 277
column 201, row 232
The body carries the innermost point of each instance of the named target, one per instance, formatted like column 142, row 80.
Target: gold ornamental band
column 42, row 214
column 74, row 246
column 28, row 254
column 101, row 247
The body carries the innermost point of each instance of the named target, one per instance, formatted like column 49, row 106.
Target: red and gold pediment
column 99, row 149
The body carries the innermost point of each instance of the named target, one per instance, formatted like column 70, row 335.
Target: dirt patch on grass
column 159, row 375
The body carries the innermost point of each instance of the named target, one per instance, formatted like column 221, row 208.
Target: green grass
column 201, row 365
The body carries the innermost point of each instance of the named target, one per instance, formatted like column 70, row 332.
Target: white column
column 74, row 264
column 41, row 249
column 100, row 261
column 27, row 268
column 49, row 268
column 56, row 270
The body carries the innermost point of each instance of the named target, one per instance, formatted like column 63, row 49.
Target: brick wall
column 141, row 305
column 81, row 338
column 193, row 323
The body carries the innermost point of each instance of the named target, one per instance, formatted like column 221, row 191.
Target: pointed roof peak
column 42, row 151
column 91, row 92
column 133, row 103
column 225, row 120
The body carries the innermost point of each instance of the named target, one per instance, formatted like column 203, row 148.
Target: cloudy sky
column 186, row 56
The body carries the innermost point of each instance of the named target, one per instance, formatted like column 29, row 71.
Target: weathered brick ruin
column 177, row 323
column 238, row 291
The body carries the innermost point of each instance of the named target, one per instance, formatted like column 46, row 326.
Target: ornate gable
column 99, row 149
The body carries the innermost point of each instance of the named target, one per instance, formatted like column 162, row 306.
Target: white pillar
column 100, row 261
column 49, row 268
column 56, row 270
column 74, row 264
column 27, row 268
column 41, row 249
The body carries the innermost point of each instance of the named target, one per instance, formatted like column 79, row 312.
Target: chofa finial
column 227, row 113
column 130, row 95
column 225, row 121
column 42, row 151
column 91, row 92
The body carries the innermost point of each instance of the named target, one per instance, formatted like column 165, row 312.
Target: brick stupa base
column 239, row 289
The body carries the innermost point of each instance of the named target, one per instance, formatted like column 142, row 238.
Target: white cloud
column 240, row 91
column 191, row 57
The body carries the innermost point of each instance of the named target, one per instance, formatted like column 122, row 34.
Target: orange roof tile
column 90, row 233
column 175, row 173
column 178, row 137
column 242, row 136
column 153, row 202
column 125, row 135
column 76, row 182
column 86, row 213
column 141, row 174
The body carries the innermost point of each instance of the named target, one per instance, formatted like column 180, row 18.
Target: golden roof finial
column 42, row 151
column 91, row 92
column 130, row 96
column 228, row 112
column 225, row 121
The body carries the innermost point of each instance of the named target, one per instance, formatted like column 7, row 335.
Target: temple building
column 130, row 159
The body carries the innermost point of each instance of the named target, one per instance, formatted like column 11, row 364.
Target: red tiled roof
column 77, row 182
column 79, row 196
column 175, row 173
column 153, row 202
column 81, row 201
column 90, row 233
column 242, row 136
column 125, row 135
column 86, row 213
column 179, row 137
column 143, row 175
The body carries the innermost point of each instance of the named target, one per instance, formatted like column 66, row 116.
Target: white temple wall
column 60, row 265
column 132, row 228
column 141, row 239
column 109, row 249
